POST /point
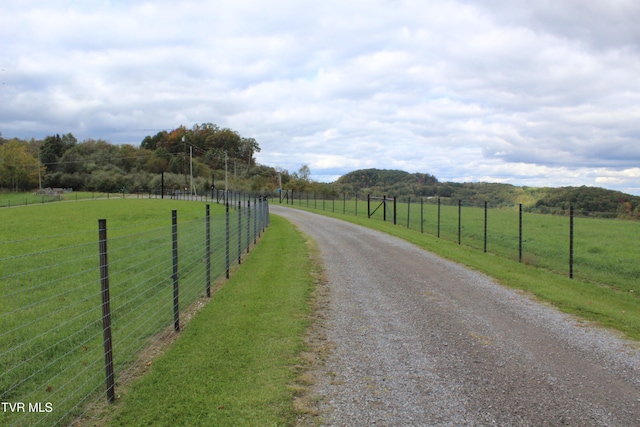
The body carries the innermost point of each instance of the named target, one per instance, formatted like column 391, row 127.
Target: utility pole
column 191, row 160
column 184, row 163
column 39, row 175
column 226, row 181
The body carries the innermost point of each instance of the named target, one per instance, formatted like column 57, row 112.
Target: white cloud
column 531, row 93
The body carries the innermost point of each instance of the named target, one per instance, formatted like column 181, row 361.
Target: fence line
column 212, row 196
column 592, row 246
column 54, row 320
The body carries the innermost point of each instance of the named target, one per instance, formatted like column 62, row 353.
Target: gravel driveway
column 420, row 341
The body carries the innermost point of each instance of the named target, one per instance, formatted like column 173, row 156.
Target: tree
column 153, row 142
column 53, row 148
column 210, row 143
column 304, row 173
column 18, row 170
column 69, row 141
column 158, row 162
column 128, row 157
column 248, row 147
column 300, row 180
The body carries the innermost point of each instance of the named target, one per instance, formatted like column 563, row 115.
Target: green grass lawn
column 9, row 199
column 50, row 302
column 235, row 362
column 613, row 303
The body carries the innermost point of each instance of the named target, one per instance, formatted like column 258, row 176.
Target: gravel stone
column 421, row 341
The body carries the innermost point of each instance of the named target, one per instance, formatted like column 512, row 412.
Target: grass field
column 605, row 288
column 24, row 199
column 234, row 364
column 11, row 199
column 50, row 301
column 606, row 251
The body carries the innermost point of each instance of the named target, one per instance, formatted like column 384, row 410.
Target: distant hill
column 585, row 200
column 404, row 184
column 383, row 178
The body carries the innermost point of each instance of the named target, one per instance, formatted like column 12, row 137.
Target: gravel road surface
column 420, row 341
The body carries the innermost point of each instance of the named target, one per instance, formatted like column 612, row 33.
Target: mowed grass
column 61, row 219
column 13, row 199
column 606, row 289
column 234, row 363
column 9, row 199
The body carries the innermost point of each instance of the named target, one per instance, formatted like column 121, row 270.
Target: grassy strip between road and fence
column 606, row 306
column 235, row 361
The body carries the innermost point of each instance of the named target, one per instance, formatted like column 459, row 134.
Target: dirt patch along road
column 418, row 340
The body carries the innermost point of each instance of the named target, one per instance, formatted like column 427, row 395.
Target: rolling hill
column 585, row 200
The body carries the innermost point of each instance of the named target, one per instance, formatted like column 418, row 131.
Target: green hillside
column 592, row 201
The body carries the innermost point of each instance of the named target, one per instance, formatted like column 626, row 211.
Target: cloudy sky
column 537, row 93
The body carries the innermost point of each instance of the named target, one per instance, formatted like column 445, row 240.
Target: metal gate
column 383, row 201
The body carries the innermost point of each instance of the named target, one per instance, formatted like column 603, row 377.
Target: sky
column 529, row 93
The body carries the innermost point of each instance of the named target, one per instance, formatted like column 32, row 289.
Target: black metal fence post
column 208, row 251
column 571, row 241
column 227, row 239
column 248, row 224
column 485, row 226
column 520, row 232
column 260, row 214
column 266, row 214
column 438, row 217
column 384, row 212
column 255, row 220
column 239, row 234
column 459, row 221
column 395, row 211
column 174, row 234
column 368, row 205
column 106, row 310
column 421, row 215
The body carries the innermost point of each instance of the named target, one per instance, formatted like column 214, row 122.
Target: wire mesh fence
column 52, row 335
column 598, row 247
column 28, row 199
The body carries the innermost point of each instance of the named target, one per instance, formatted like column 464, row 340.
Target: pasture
column 51, row 343
column 606, row 252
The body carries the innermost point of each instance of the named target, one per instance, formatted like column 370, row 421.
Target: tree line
column 205, row 152
column 215, row 156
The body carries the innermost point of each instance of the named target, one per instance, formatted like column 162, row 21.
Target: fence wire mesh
column 605, row 246
column 52, row 362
